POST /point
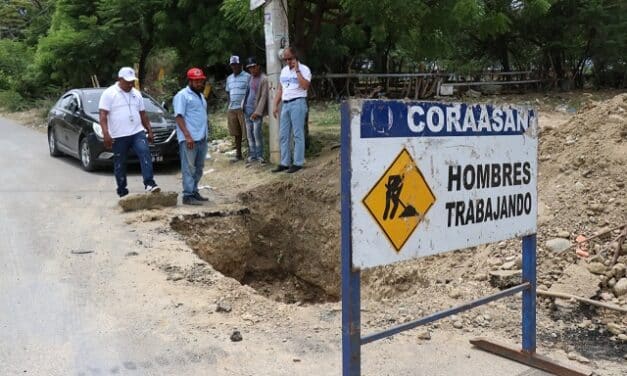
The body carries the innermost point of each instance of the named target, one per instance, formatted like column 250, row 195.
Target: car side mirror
column 165, row 105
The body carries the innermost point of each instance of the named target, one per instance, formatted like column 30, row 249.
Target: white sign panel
column 433, row 177
column 254, row 4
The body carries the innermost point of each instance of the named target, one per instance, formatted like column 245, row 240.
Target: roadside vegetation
column 47, row 46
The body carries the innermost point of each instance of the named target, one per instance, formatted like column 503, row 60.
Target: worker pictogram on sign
column 400, row 199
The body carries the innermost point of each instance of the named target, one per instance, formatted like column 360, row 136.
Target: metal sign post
column 420, row 178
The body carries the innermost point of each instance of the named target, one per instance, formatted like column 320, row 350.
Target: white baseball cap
column 127, row 74
column 234, row 59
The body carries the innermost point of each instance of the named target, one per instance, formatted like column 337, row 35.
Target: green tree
column 576, row 35
column 74, row 48
column 25, row 19
column 206, row 33
column 132, row 24
column 13, row 55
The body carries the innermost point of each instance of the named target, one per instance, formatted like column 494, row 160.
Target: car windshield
column 91, row 99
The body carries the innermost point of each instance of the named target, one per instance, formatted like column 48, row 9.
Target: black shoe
column 198, row 197
column 293, row 169
column 153, row 188
column 280, row 168
column 190, row 200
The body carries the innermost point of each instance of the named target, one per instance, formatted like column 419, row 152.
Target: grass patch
column 324, row 114
column 43, row 106
column 218, row 128
column 324, row 127
column 12, row 101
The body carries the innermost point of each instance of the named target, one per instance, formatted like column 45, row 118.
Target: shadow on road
column 133, row 169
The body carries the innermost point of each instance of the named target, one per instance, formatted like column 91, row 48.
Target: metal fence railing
column 419, row 85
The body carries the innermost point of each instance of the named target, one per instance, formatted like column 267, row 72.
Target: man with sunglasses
column 291, row 95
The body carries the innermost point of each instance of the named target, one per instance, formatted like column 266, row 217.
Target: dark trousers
column 121, row 145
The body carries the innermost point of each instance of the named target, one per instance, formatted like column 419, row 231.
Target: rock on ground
column 620, row 288
column 596, row 268
column 577, row 280
column 503, row 279
column 145, row 201
column 557, row 244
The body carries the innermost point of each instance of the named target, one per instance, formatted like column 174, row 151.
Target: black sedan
column 74, row 129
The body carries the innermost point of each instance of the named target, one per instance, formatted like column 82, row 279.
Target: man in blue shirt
column 236, row 88
column 190, row 108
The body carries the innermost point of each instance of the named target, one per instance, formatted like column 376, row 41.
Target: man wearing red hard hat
column 190, row 109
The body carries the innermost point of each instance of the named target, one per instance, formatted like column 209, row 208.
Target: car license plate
column 156, row 157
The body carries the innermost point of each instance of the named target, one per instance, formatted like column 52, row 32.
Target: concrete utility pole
column 277, row 38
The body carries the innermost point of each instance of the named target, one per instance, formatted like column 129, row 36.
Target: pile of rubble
column 582, row 251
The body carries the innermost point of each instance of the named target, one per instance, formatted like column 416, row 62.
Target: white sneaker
column 153, row 188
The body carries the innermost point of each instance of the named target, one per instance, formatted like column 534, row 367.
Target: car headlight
column 97, row 129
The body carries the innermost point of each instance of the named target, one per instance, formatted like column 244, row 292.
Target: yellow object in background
column 161, row 74
column 207, row 90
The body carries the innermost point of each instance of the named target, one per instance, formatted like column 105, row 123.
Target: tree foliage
column 61, row 43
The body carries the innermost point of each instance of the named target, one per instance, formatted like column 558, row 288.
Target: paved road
column 54, row 314
column 66, row 311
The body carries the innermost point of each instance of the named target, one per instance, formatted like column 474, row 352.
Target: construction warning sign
column 400, row 199
column 428, row 177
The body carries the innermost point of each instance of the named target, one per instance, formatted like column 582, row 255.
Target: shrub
column 12, row 101
column 14, row 56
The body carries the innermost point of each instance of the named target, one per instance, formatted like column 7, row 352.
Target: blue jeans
column 293, row 115
column 254, row 133
column 121, row 146
column 192, row 164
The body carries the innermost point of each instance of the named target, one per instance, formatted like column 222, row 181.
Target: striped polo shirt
column 237, row 86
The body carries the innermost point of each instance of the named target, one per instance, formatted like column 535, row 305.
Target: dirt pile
column 583, row 164
column 583, row 167
column 582, row 172
column 146, row 201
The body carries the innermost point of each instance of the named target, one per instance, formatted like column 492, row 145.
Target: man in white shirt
column 123, row 120
column 294, row 82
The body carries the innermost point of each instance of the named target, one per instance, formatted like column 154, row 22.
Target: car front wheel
column 87, row 158
column 52, row 143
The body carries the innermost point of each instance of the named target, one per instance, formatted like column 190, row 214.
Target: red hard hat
column 195, row 74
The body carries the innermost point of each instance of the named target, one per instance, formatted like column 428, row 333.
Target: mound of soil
column 583, row 165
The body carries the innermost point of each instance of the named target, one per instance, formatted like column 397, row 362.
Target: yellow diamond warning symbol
column 400, row 199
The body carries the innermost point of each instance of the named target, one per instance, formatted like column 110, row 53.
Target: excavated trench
column 284, row 245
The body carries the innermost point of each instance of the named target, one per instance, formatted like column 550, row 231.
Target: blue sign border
column 351, row 297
